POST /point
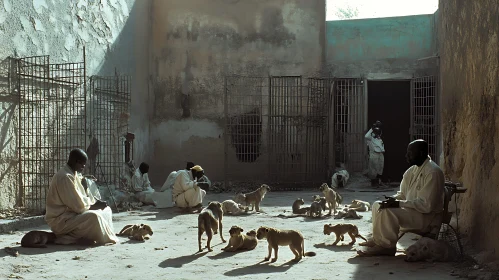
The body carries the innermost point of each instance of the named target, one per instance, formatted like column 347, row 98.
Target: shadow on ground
column 260, row 268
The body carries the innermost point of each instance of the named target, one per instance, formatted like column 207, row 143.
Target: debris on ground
column 17, row 213
column 11, row 251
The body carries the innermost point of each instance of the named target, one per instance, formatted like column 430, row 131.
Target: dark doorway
column 389, row 102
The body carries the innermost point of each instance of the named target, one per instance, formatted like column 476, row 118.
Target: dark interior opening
column 389, row 102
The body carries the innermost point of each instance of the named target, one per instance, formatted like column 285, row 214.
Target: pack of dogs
column 210, row 222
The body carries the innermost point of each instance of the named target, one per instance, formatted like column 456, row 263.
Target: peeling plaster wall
column 381, row 47
column 470, row 93
column 195, row 43
column 61, row 28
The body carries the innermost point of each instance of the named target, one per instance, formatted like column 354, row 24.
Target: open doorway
column 389, row 102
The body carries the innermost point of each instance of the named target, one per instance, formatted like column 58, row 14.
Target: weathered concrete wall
column 195, row 43
column 60, row 29
column 381, row 47
column 469, row 42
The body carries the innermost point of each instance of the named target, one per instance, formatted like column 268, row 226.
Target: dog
column 253, row 198
column 347, row 214
column 230, row 207
column 427, row 249
column 276, row 238
column 331, row 197
column 340, row 179
column 315, row 209
column 360, row 206
column 37, row 239
column 340, row 230
column 144, row 232
column 239, row 241
column 297, row 207
column 210, row 220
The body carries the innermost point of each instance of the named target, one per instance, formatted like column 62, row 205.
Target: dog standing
column 254, row 198
column 210, row 220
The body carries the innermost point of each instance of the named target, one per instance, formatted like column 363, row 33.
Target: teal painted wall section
column 409, row 37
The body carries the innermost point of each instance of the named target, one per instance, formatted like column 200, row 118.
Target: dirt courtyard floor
column 171, row 253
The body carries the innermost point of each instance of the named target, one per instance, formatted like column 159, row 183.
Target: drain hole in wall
column 246, row 135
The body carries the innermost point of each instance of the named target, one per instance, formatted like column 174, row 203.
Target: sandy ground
column 172, row 251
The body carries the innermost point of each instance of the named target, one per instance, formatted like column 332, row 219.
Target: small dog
column 143, row 233
column 254, row 198
column 37, row 239
column 360, row 206
column 330, row 196
column 210, row 220
column 230, row 207
column 340, row 179
column 239, row 241
column 427, row 249
column 322, row 200
column 276, row 238
column 347, row 214
column 297, row 207
column 315, row 209
column 340, row 230
column 129, row 230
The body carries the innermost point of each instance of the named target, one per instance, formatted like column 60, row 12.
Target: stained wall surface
column 469, row 41
column 195, row 44
column 60, row 29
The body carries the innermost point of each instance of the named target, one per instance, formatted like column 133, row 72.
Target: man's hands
column 203, row 185
column 99, row 205
column 390, row 202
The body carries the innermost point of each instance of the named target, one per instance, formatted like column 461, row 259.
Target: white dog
column 340, row 179
column 427, row 249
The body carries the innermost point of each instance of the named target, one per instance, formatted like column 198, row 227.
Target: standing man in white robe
column 187, row 191
column 376, row 154
column 417, row 206
column 141, row 184
column 72, row 213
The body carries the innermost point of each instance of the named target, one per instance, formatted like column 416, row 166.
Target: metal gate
column 350, row 109
column 277, row 130
column 424, row 123
column 52, row 100
column 109, row 112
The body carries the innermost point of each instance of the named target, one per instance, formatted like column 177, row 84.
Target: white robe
column 376, row 155
column 421, row 198
column 68, row 214
column 142, row 187
column 186, row 193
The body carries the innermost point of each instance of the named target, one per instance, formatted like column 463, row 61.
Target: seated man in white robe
column 417, row 206
column 141, row 184
column 187, row 191
column 72, row 212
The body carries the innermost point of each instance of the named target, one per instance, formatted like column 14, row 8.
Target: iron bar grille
column 349, row 124
column 277, row 131
column 51, row 122
column 424, row 125
column 109, row 112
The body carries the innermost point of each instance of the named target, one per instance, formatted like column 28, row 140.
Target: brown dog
column 210, row 220
column 253, row 198
column 143, row 233
column 340, row 230
column 37, row 239
column 296, row 207
column 239, row 241
column 276, row 238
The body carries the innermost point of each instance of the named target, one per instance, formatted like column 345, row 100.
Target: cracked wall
column 195, row 44
column 60, row 28
column 470, row 90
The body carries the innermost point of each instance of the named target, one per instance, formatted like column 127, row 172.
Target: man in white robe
column 141, row 184
column 376, row 154
column 417, row 206
column 72, row 212
column 187, row 191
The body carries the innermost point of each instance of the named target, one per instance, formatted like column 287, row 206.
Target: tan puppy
column 210, row 220
column 340, row 230
column 322, row 200
column 253, row 198
column 232, row 208
column 296, row 207
column 347, row 213
column 330, row 196
column 142, row 234
column 276, row 238
column 427, row 249
column 37, row 239
column 129, row 230
column 239, row 241
column 315, row 209
column 360, row 206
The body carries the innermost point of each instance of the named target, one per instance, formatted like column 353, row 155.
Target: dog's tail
column 310, row 254
column 306, row 254
column 358, row 235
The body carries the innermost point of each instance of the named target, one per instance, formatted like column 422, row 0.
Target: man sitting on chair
column 418, row 205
